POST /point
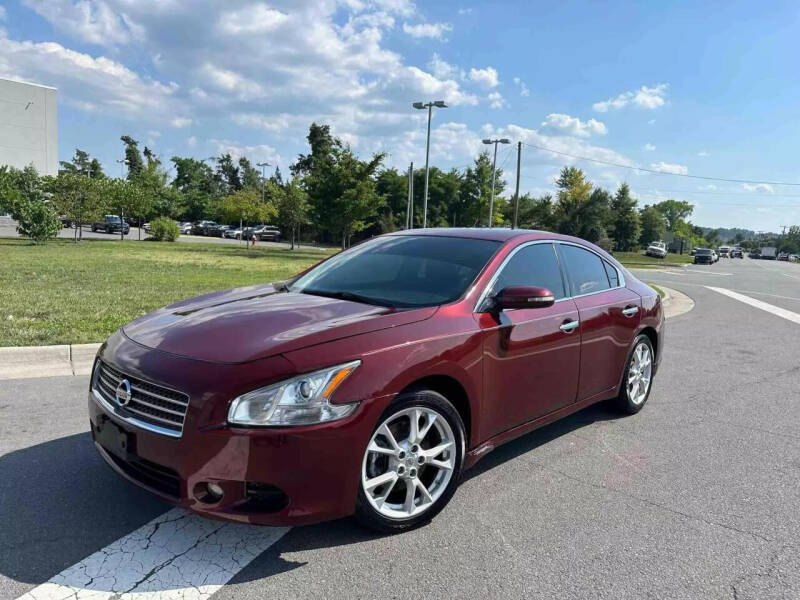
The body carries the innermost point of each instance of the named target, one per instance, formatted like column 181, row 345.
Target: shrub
column 164, row 230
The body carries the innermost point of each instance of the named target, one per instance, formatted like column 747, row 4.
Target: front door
column 531, row 356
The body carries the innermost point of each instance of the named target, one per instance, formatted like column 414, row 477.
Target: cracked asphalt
column 697, row 496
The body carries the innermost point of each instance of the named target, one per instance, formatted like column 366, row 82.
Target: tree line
column 333, row 196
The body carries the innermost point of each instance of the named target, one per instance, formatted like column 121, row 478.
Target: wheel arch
column 454, row 391
column 651, row 333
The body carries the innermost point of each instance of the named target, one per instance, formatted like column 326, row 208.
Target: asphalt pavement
column 695, row 497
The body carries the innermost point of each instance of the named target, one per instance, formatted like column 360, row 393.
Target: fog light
column 208, row 493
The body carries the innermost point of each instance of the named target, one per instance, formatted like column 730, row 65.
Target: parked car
column 794, row 258
column 146, row 227
column 205, row 228
column 66, row 222
column 737, row 253
column 220, row 231
column 268, row 233
column 185, row 227
column 704, row 256
column 715, row 255
column 783, row 256
column 724, row 252
column 656, row 249
column 754, row 254
column 371, row 381
column 111, row 224
column 232, row 232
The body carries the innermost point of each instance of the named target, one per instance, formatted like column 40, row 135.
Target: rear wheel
column 638, row 376
column 412, row 463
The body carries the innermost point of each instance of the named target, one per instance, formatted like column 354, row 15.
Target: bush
column 164, row 230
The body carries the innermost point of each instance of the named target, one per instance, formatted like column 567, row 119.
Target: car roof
column 499, row 234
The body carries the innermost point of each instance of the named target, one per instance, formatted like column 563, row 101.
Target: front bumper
column 270, row 476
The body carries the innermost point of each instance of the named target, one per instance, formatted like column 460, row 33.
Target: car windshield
column 400, row 271
column 112, row 219
column 703, row 251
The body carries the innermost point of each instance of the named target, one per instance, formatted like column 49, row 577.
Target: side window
column 534, row 265
column 586, row 270
column 613, row 275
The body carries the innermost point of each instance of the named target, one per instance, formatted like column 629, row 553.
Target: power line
column 655, row 171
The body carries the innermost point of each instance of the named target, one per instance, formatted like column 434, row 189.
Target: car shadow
column 59, row 502
column 347, row 531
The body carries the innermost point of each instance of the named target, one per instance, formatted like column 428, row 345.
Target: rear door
column 530, row 364
column 609, row 316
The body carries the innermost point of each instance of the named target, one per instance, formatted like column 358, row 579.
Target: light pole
column 494, row 171
column 263, row 166
column 429, row 106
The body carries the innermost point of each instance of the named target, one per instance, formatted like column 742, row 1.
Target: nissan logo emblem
column 124, row 392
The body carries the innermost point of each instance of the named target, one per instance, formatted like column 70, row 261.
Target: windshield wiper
column 353, row 297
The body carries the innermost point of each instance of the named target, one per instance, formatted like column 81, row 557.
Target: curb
column 20, row 362
column 675, row 303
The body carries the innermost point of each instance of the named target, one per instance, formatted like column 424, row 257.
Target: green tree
column 624, row 228
column 195, row 182
column 475, row 193
column 22, row 193
column 245, row 206
column 249, row 176
column 652, row 225
column 133, row 158
column 393, row 188
column 580, row 210
column 791, row 240
column 341, row 187
column 126, row 199
column 292, row 206
column 82, row 164
column 77, row 197
column 227, row 174
column 534, row 213
column 674, row 212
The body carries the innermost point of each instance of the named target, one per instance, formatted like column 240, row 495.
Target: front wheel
column 412, row 463
column 638, row 376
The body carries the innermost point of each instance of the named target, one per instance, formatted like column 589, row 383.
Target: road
column 695, row 497
column 8, row 230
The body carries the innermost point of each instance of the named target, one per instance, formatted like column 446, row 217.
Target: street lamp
column 429, row 106
column 263, row 166
column 494, row 170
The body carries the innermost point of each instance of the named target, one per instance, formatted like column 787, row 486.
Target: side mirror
column 521, row 296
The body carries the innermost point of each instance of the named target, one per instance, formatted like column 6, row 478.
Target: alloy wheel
column 640, row 372
column 408, row 462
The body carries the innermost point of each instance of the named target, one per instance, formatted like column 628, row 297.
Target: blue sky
column 695, row 88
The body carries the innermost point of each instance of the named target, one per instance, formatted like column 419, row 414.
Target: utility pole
column 516, row 193
column 429, row 106
column 494, row 172
column 263, row 166
column 410, row 207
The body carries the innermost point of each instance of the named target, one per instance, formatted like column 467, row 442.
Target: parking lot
column 694, row 497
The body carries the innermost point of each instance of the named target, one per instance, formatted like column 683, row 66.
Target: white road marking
column 770, row 308
column 175, row 556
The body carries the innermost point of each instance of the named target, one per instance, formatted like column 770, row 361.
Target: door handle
column 569, row 326
column 629, row 311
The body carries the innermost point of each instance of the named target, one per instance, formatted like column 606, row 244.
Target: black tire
column 623, row 401
column 366, row 514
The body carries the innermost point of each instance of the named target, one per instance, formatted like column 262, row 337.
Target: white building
column 28, row 126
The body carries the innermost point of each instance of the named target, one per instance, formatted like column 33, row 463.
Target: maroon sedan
column 368, row 383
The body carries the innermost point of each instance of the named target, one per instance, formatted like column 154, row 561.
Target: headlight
column 302, row 400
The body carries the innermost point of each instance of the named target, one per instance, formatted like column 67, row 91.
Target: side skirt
column 484, row 448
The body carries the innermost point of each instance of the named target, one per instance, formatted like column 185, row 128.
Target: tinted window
column 613, row 275
column 586, row 271
column 402, row 271
column 534, row 265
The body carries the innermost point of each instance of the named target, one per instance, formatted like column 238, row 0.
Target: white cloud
column 441, row 68
column 191, row 141
column 645, row 97
column 496, row 100
column 255, row 18
column 93, row 21
column 675, row 169
column 702, row 153
column 427, row 30
column 523, row 89
column 486, row 77
column 763, row 188
column 648, row 147
column 256, row 153
column 180, row 122
column 563, row 124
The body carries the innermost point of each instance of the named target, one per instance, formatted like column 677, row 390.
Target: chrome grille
column 151, row 406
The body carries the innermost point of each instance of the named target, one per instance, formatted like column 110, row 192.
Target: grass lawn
column 62, row 293
column 639, row 260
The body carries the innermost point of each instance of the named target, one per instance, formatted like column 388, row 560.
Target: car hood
column 245, row 324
